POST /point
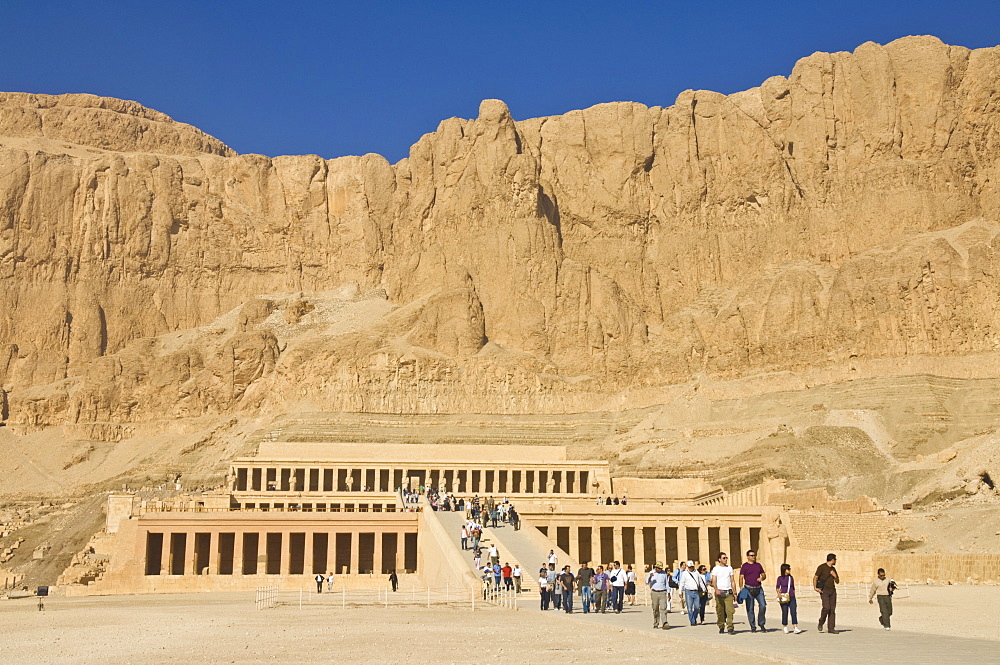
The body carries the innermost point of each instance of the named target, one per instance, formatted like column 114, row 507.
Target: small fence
column 411, row 596
column 267, row 597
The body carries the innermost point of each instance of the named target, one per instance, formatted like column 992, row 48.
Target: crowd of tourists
column 610, row 588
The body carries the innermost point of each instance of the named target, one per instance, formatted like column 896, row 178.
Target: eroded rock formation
column 846, row 212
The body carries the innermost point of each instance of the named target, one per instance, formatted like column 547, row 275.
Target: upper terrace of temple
column 315, row 467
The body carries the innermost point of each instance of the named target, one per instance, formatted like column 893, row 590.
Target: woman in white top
column 543, row 587
column 630, row 585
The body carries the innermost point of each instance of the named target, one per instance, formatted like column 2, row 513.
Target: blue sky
column 338, row 78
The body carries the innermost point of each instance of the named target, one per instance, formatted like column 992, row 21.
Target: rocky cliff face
column 846, row 212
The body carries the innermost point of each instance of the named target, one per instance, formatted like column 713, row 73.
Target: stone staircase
column 452, row 521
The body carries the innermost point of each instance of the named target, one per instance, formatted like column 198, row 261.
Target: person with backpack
column 617, row 587
column 882, row 588
column 785, row 588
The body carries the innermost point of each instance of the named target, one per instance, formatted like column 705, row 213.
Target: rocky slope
column 836, row 219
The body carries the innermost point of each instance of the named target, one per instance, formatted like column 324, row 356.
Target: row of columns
column 704, row 551
column 387, row 479
column 162, row 548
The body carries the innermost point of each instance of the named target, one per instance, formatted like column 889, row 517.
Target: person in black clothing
column 394, row 580
column 825, row 582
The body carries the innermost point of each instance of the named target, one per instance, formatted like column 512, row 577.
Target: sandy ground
column 957, row 611
column 226, row 628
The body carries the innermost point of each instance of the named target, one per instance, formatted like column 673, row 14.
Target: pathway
column 852, row 646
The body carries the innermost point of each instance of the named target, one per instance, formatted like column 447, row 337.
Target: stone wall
column 960, row 568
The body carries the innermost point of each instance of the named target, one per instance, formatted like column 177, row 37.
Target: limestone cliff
column 844, row 213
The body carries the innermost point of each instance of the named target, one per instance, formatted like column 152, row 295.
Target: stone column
column 660, row 536
column 640, row 549
column 574, row 542
column 213, row 552
column 377, row 557
column 682, row 543
column 400, row 551
column 704, row 555
column 238, row 553
column 618, row 549
column 725, row 544
column 745, row 544
column 595, row 542
column 286, row 553
column 189, row 562
column 355, row 554
column 308, row 560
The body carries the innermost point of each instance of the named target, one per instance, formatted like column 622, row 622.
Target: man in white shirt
column 494, row 554
column 617, row 587
column 691, row 584
column 553, row 559
column 517, row 578
column 722, row 583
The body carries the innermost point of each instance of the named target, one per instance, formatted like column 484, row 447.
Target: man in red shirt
column 507, row 572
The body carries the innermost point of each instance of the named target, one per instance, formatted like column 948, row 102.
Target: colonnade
column 645, row 544
column 277, row 551
column 495, row 479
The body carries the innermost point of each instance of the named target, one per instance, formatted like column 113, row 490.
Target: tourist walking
column 675, row 582
column 722, row 583
column 706, row 575
column 554, row 588
column 882, row 588
column 329, row 581
column 825, row 582
column 567, row 580
column 517, row 578
column 465, row 537
column 599, row 587
column 494, row 554
column 508, row 576
column 617, row 587
column 477, row 555
column 394, row 581
column 319, row 579
column 553, row 559
column 752, row 576
column 657, row 581
column 691, row 586
column 786, row 598
column 630, row 585
column 584, row 578
column 543, row 588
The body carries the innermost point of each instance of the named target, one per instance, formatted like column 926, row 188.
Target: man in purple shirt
column 752, row 576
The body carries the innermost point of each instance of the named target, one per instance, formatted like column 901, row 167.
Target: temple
column 298, row 508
